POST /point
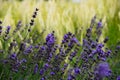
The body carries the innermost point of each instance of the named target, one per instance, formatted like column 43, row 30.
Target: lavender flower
column 28, row 50
column 50, row 40
column 42, row 71
column 42, row 78
column 70, row 77
column 106, row 40
column 13, row 56
column 77, row 70
column 102, row 70
column 46, row 66
column 0, row 29
column 8, row 29
column 23, row 60
column 52, row 73
column 118, row 47
column 36, row 68
column 0, row 22
column 99, row 24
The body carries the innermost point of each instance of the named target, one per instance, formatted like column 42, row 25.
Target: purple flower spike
column 102, row 70
column 36, row 68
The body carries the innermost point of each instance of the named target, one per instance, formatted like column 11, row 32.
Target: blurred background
column 64, row 15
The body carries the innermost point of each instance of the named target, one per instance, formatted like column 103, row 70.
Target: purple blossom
column 66, row 36
column 50, row 39
column 46, row 65
column 118, row 47
column 36, row 68
column 0, row 31
column 42, row 78
column 23, row 60
column 70, row 77
column 74, row 40
column 36, row 46
column 99, row 25
column 65, row 65
column 0, row 22
column 28, row 50
column 42, row 71
column 108, row 52
column 52, row 73
column 100, row 45
column 19, row 24
column 73, row 54
column 102, row 70
column 42, row 47
column 13, row 56
column 77, row 70
column 8, row 29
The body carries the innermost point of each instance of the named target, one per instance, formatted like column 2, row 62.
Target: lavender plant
column 33, row 58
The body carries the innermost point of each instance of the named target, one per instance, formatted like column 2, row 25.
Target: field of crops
column 59, row 40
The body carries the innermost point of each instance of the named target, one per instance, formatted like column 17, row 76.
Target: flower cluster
column 48, row 60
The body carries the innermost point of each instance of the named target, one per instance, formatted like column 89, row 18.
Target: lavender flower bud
column 42, row 78
column 102, row 70
column 77, row 70
column 36, row 68
column 52, row 73
column 8, row 29
column 42, row 71
column 0, row 22
column 13, row 56
column 70, row 77
column 106, row 39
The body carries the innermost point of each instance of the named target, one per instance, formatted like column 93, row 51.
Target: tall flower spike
column 36, row 68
